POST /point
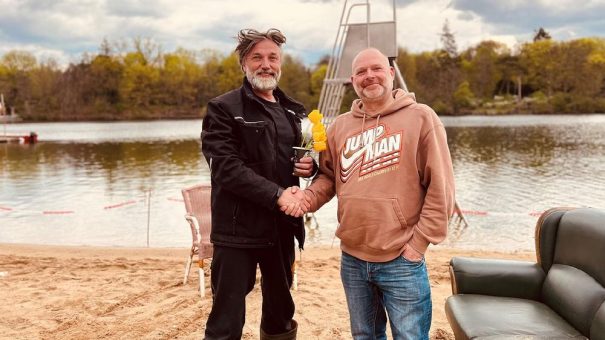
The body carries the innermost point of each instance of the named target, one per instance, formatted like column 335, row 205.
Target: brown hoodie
column 393, row 175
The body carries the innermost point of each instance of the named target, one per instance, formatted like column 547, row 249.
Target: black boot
column 289, row 335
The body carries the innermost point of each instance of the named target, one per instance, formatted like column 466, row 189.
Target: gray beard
column 263, row 84
column 367, row 95
column 375, row 96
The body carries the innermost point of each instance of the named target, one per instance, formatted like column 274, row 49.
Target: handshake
column 294, row 202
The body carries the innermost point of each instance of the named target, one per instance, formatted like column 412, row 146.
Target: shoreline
column 127, row 292
column 201, row 117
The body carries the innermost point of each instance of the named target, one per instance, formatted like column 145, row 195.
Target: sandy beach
column 61, row 292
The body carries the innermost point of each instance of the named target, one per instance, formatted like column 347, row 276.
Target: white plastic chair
column 197, row 205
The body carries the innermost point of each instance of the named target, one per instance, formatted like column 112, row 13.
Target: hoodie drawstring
column 363, row 125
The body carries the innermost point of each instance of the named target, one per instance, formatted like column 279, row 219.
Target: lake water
column 107, row 183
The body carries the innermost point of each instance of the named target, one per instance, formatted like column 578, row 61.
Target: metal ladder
column 351, row 37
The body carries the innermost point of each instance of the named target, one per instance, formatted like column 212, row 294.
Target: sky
column 66, row 29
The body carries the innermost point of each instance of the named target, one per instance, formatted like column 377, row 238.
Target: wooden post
column 148, row 214
column 200, row 268
column 519, row 87
column 3, row 112
column 459, row 219
column 2, row 106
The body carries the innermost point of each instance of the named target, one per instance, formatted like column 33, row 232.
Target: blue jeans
column 398, row 288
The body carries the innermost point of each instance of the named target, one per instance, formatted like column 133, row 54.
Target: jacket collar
column 287, row 102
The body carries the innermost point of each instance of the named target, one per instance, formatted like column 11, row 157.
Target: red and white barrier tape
column 7, row 209
column 58, row 212
column 119, row 205
column 65, row 212
column 474, row 212
column 499, row 213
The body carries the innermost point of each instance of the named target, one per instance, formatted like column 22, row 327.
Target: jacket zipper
column 235, row 209
column 276, row 147
column 275, row 151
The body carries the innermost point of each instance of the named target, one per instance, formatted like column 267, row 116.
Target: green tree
column 180, row 76
column 16, row 83
column 106, row 72
column 139, row 82
column 482, row 69
column 538, row 60
column 295, row 80
column 317, row 79
column 427, row 76
column 209, row 77
column 438, row 77
column 75, row 91
column 19, row 61
column 596, row 63
column 45, row 80
column 463, row 97
column 541, row 34
column 449, row 40
column 316, row 83
column 574, row 72
column 512, row 74
column 230, row 72
column 407, row 65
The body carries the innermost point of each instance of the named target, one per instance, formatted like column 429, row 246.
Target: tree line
column 137, row 80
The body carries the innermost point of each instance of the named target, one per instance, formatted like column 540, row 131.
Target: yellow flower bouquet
column 318, row 138
column 319, row 132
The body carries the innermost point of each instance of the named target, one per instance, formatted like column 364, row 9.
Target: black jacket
column 239, row 141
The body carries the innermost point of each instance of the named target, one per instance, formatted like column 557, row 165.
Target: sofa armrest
column 505, row 278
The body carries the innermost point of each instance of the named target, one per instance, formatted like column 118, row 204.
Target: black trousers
column 233, row 274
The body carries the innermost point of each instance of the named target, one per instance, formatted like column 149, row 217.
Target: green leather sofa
column 561, row 296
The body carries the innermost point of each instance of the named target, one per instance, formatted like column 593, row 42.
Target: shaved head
column 372, row 77
column 369, row 52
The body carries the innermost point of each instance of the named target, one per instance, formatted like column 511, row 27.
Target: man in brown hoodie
column 388, row 162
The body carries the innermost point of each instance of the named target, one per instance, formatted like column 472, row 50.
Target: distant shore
column 58, row 292
column 489, row 112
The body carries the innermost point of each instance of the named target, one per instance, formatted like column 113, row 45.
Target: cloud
column 68, row 28
column 138, row 8
column 42, row 54
column 406, row 3
column 525, row 16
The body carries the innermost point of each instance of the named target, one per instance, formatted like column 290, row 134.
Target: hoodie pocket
column 376, row 223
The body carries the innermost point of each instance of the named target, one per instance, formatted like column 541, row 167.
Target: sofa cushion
column 580, row 242
column 518, row 279
column 488, row 317
column 597, row 330
column 573, row 294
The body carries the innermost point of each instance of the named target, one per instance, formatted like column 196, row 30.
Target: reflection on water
column 87, row 183
column 508, row 169
column 96, row 193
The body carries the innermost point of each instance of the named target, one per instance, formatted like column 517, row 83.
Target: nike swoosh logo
column 346, row 163
column 355, row 165
column 345, row 175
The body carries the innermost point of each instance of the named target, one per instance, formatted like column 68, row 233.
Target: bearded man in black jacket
column 247, row 139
